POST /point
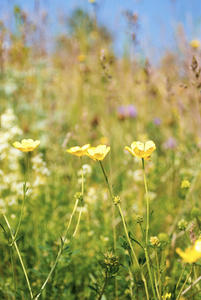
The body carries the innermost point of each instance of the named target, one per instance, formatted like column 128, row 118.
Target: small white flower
column 86, row 170
column 7, row 119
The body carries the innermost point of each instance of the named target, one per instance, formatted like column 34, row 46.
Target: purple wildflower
column 171, row 143
column 157, row 121
column 132, row 111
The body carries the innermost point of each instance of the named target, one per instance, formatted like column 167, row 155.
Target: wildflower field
column 99, row 166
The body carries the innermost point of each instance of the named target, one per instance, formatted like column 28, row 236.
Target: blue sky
column 158, row 19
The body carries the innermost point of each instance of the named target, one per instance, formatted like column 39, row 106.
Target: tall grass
column 82, row 93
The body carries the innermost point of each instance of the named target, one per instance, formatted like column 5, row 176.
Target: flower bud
column 139, row 219
column 182, row 224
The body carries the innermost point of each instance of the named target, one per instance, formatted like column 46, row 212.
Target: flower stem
column 180, row 276
column 126, row 231
column 107, row 182
column 65, row 237
column 187, row 277
column 147, row 232
column 102, row 291
column 159, row 275
column 24, row 196
column 19, row 255
column 14, row 281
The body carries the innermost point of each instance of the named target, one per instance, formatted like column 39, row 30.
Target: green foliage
column 80, row 94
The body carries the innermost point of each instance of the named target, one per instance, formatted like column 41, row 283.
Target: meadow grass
column 115, row 226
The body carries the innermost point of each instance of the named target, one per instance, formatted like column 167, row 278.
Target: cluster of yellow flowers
column 98, row 153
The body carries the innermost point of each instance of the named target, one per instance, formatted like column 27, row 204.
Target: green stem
column 24, row 196
column 102, row 291
column 19, row 255
column 70, row 220
column 187, row 277
column 65, row 237
column 78, row 222
column 107, row 182
column 159, row 275
column 50, row 273
column 14, row 281
column 82, row 177
column 147, row 198
column 147, row 232
column 180, row 277
column 156, row 285
column 126, row 231
column 196, row 276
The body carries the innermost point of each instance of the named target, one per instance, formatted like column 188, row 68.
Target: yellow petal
column 78, row 151
column 98, row 153
column 138, row 145
column 130, row 150
column 149, row 145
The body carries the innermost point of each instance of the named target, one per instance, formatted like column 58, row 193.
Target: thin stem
column 24, row 196
column 194, row 283
column 102, row 291
column 147, row 198
column 14, row 281
column 78, row 222
column 156, row 285
column 82, row 177
column 147, row 231
column 126, row 231
column 162, row 264
column 113, row 219
column 180, row 277
column 19, row 255
column 187, row 277
column 65, row 237
column 60, row 250
column 196, row 276
column 50, row 273
column 159, row 275
column 107, row 182
column 70, row 220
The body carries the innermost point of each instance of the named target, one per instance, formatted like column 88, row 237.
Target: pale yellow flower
column 167, row 296
column 195, row 44
column 154, row 241
column 192, row 254
column 79, row 151
column 26, row 145
column 98, row 153
column 185, row 184
column 141, row 150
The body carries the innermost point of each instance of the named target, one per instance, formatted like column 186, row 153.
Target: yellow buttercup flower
column 79, row 151
column 98, row 153
column 192, row 254
column 141, row 150
column 167, row 296
column 195, row 44
column 26, row 145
